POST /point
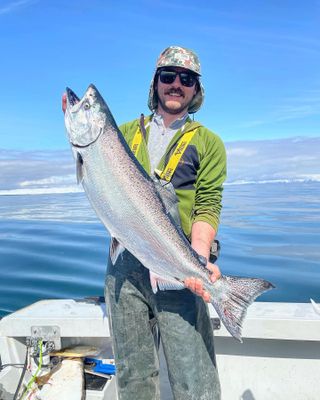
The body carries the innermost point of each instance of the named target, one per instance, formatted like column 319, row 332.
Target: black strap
column 142, row 127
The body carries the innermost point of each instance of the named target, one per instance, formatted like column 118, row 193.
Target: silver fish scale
column 128, row 204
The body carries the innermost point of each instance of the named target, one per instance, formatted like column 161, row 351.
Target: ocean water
column 53, row 246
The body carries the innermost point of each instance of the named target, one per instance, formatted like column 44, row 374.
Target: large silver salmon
column 136, row 210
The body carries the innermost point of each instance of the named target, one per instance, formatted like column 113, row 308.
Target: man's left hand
column 196, row 284
column 64, row 102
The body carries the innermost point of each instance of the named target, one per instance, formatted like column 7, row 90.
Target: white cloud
column 35, row 191
column 13, row 6
column 240, row 151
column 307, row 104
column 36, row 169
column 280, row 160
column 314, row 177
column 52, row 180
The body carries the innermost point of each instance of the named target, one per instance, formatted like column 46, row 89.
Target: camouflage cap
column 175, row 56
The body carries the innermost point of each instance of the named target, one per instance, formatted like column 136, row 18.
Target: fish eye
column 86, row 105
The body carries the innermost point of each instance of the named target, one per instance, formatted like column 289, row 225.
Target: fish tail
column 237, row 295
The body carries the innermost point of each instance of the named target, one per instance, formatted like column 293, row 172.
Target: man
column 182, row 317
column 186, row 154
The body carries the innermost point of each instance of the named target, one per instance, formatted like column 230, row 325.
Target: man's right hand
column 64, row 102
column 196, row 284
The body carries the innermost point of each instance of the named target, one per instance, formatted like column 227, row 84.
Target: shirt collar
column 175, row 125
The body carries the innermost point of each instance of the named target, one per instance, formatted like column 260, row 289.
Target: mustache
column 175, row 91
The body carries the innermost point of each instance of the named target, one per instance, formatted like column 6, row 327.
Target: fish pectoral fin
column 166, row 192
column 164, row 282
column 168, row 196
column 79, row 168
column 115, row 250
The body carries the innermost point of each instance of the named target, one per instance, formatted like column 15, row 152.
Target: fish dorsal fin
column 79, row 168
column 168, row 196
column 115, row 250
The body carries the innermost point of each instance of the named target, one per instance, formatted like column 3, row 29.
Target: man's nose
column 177, row 81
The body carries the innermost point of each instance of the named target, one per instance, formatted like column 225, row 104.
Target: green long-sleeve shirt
column 199, row 176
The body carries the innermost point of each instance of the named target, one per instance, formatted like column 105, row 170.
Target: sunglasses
column 168, row 76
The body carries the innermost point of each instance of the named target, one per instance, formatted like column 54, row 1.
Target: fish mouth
column 72, row 98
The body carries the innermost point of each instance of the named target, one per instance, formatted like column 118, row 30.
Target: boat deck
column 279, row 358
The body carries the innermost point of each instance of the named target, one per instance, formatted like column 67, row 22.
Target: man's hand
column 202, row 235
column 64, row 102
column 196, row 284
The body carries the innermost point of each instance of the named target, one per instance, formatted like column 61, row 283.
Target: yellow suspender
column 167, row 173
column 137, row 139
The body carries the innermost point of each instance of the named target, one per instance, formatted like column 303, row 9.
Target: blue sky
column 260, row 63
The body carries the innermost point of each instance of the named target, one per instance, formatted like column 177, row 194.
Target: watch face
column 215, row 247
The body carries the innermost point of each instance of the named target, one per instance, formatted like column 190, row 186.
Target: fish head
column 85, row 118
